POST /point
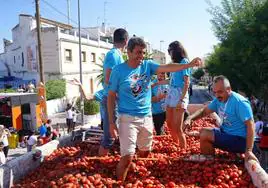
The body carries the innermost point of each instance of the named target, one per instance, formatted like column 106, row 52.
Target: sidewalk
column 58, row 118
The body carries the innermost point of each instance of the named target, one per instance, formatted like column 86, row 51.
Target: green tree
column 198, row 73
column 242, row 54
column 55, row 89
column 100, row 76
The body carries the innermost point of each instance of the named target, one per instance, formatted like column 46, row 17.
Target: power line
column 55, row 9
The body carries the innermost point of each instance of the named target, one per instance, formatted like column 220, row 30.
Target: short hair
column 120, row 35
column 135, row 41
column 222, row 78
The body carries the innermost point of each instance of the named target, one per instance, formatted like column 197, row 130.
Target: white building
column 159, row 56
column 60, row 53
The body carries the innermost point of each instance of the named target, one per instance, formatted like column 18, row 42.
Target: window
column 93, row 57
column 14, row 59
column 84, row 57
column 68, row 55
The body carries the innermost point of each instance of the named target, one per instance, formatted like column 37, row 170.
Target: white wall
column 56, row 105
column 73, row 90
column 50, row 50
column 88, row 48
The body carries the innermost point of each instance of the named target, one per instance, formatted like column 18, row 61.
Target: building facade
column 159, row 56
column 60, row 52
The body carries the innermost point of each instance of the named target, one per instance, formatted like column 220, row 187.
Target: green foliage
column 242, row 54
column 230, row 11
column 91, row 107
column 10, row 90
column 100, row 76
column 125, row 57
column 55, row 89
column 198, row 73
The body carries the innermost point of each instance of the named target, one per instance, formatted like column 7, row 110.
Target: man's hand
column 186, row 124
column 179, row 105
column 250, row 156
column 74, row 82
column 161, row 96
column 113, row 130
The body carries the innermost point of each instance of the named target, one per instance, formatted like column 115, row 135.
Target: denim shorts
column 227, row 142
column 174, row 96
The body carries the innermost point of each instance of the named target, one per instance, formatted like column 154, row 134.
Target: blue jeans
column 106, row 140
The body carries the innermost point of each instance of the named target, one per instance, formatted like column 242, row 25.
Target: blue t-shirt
column 43, row 130
column 133, row 87
column 99, row 95
column 159, row 107
column 177, row 78
column 233, row 114
column 112, row 58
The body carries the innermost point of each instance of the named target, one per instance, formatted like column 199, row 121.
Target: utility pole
column 68, row 11
column 38, row 29
column 80, row 65
column 41, row 86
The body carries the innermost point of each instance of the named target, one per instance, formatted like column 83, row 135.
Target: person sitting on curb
column 31, row 141
column 236, row 131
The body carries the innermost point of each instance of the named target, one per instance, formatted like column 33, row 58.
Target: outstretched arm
column 76, row 82
column 174, row 67
column 196, row 115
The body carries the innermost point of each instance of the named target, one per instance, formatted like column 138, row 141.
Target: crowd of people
column 138, row 98
column 30, row 88
column 127, row 99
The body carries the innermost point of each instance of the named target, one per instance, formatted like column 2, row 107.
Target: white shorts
column 135, row 131
column 174, row 96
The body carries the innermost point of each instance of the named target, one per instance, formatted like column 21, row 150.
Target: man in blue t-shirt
column 159, row 93
column 130, row 88
column 112, row 58
column 236, row 131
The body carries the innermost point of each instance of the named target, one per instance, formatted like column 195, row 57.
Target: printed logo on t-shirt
column 139, row 83
column 223, row 116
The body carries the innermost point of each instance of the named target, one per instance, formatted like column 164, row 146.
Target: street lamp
column 80, row 65
column 161, row 41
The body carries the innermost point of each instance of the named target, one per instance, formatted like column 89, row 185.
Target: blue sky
column 156, row 20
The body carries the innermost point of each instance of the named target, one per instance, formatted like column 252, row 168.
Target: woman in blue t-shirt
column 177, row 99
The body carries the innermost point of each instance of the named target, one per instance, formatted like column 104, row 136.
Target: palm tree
column 100, row 76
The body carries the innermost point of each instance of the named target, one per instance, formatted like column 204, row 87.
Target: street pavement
column 200, row 96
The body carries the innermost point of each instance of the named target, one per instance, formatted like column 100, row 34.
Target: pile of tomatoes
column 166, row 166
